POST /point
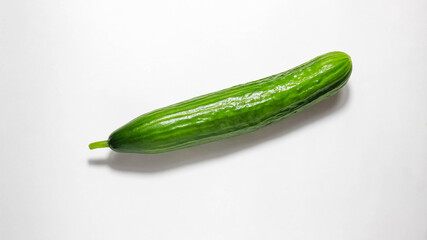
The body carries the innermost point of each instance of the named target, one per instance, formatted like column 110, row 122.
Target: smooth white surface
column 352, row 167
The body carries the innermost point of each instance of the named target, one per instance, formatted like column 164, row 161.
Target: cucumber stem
column 100, row 144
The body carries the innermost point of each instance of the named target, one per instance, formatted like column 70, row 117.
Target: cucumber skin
column 236, row 110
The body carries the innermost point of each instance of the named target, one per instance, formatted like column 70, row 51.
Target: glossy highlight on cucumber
column 233, row 111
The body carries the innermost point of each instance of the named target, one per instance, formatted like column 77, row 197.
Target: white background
column 71, row 72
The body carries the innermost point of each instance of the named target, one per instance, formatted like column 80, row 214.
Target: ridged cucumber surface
column 233, row 111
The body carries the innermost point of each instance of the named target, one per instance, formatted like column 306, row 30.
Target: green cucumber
column 232, row 111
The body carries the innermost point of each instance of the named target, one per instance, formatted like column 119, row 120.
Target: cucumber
column 232, row 111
